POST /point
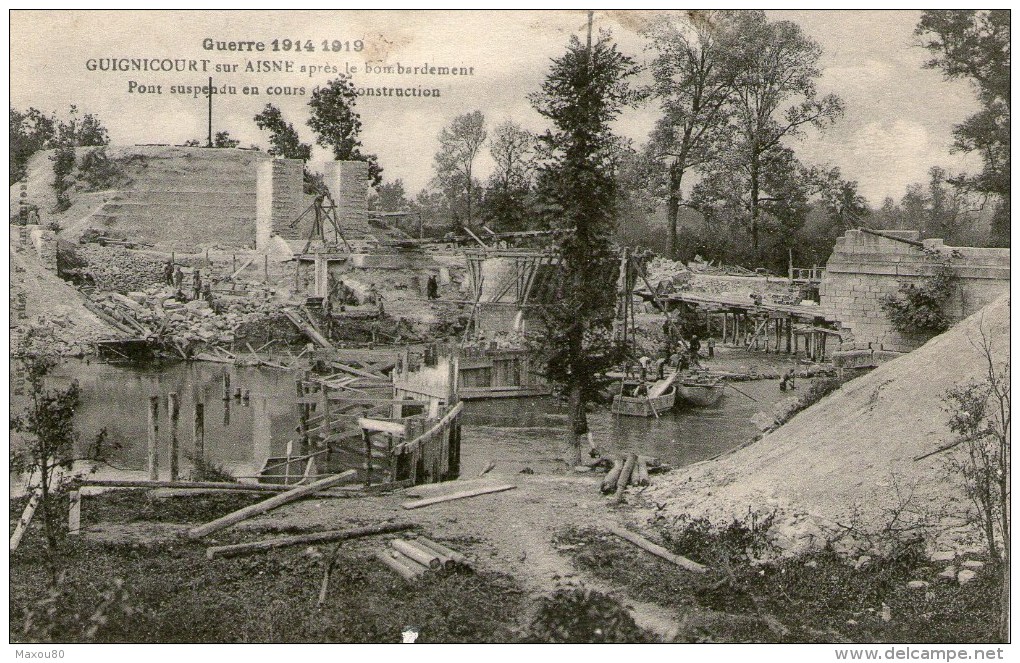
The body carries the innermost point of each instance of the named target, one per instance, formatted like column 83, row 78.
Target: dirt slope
column 851, row 452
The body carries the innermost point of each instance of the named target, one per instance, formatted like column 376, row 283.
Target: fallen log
column 625, row 476
column 218, row 485
column 609, row 482
column 311, row 538
column 658, row 551
column 443, row 551
column 423, row 557
column 404, row 570
column 271, row 503
column 417, row 504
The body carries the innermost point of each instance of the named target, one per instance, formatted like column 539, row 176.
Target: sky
column 898, row 119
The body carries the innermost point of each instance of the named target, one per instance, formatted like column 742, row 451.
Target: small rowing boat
column 701, row 390
column 640, row 399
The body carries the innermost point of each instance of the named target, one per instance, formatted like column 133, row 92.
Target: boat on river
column 701, row 390
column 645, row 399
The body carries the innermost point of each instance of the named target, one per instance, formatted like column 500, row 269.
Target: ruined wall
column 348, row 184
column 279, row 200
column 864, row 268
column 183, row 197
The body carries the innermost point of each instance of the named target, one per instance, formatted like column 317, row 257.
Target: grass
column 818, row 597
column 168, row 592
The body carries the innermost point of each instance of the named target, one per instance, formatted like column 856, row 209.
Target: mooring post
column 198, row 433
column 153, row 430
column 226, row 384
column 74, row 512
column 174, row 407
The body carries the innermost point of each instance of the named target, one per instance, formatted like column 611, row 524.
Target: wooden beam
column 271, row 503
column 300, row 539
column 380, row 426
column 417, row 504
column 658, row 551
column 446, row 419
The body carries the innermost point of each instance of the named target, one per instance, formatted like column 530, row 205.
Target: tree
column 48, row 456
column 506, row 203
column 693, row 77
column 459, row 145
column 30, row 131
column 283, row 138
column 337, row 125
column 222, row 139
column 774, row 101
column 585, row 90
column 844, row 205
column 391, row 197
column 974, row 45
column 84, row 131
column 979, row 416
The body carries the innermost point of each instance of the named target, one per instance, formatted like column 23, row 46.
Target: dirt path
column 510, row 532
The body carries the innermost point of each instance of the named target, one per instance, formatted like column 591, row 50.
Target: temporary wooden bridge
column 769, row 325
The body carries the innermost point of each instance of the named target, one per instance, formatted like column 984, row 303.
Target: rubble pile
column 185, row 324
column 121, row 270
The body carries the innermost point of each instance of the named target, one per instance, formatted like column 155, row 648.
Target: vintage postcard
column 565, row 326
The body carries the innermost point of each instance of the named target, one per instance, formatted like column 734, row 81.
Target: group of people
column 173, row 275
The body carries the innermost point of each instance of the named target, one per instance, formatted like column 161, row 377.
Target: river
column 241, row 434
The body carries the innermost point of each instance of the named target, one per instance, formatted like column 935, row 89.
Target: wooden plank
column 26, row 518
column 219, row 485
column 300, row 539
column 271, row 503
column 417, row 504
column 449, row 416
column 380, row 426
column 358, row 371
column 658, row 551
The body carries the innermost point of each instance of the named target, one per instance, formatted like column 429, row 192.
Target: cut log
column 488, row 468
column 625, row 475
column 443, row 550
column 405, row 571
column 271, row 503
column 658, row 551
column 423, row 557
column 417, row 504
column 446, row 562
column 301, row 539
column 609, row 483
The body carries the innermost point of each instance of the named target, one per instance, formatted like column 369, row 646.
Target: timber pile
column 630, row 470
column 421, row 559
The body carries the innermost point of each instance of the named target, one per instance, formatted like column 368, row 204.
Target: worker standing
column 432, row 288
column 695, row 346
column 197, row 285
column 168, row 272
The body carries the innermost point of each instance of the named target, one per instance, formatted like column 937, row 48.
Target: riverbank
column 540, row 549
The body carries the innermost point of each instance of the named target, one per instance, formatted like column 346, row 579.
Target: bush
column 583, row 616
column 99, row 171
column 921, row 308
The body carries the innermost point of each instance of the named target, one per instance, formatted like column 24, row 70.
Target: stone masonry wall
column 348, row 184
column 279, row 200
column 864, row 268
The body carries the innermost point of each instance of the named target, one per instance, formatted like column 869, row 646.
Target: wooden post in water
column 789, row 335
column 226, row 384
column 233, row 263
column 174, row 408
column 265, row 269
column 153, row 430
column 198, row 433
